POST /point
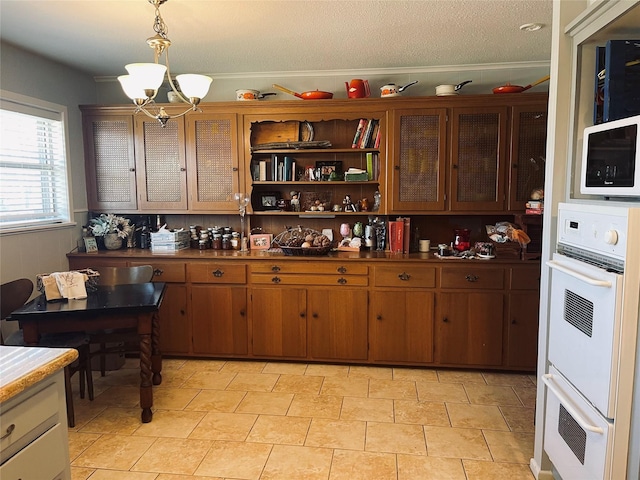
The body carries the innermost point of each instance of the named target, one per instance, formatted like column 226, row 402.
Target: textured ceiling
column 220, row 37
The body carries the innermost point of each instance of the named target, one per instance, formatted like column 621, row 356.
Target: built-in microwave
column 611, row 158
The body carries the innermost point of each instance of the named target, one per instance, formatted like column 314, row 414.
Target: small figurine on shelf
column 364, row 204
column 295, row 201
column 348, row 205
column 376, row 201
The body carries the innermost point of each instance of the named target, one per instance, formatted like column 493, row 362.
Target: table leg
column 156, row 355
column 146, row 392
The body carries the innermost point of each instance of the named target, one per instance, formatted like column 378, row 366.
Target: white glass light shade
column 131, row 88
column 148, row 76
column 194, row 86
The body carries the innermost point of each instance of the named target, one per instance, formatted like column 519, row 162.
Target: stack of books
column 367, row 134
column 399, row 235
column 534, row 207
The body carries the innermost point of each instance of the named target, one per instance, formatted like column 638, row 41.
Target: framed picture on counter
column 90, row 245
column 261, row 241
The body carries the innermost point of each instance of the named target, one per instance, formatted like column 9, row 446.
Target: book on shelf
column 369, row 165
column 376, row 141
column 368, row 132
column 358, row 134
column 262, row 175
column 286, row 167
column 396, row 236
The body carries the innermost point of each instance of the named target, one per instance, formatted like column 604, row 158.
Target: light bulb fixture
column 531, row 27
column 144, row 79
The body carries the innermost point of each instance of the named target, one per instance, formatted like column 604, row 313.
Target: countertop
column 22, row 367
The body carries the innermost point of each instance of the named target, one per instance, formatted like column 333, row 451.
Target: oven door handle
column 591, row 281
column 547, row 378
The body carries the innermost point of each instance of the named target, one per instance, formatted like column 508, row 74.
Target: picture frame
column 329, row 167
column 90, row 245
column 266, row 201
column 261, row 241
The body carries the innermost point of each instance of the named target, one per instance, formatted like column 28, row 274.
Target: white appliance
column 593, row 324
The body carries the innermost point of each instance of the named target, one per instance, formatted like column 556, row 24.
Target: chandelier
column 142, row 83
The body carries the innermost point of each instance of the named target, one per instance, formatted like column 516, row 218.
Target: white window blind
column 33, row 164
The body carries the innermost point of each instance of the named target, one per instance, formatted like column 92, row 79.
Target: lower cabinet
column 522, row 317
column 219, row 308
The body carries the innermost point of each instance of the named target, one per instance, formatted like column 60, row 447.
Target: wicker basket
column 91, row 282
column 290, row 240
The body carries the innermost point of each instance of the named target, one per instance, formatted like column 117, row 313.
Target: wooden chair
column 13, row 295
column 117, row 341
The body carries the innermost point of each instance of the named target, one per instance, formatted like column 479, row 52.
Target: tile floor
column 231, row 420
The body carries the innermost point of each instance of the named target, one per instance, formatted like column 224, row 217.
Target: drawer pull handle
column 342, row 281
column 157, row 272
column 472, row 278
column 275, row 268
column 217, row 273
column 9, row 431
column 276, row 280
column 342, row 270
column 404, row 276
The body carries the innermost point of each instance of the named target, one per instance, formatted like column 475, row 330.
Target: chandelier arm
column 171, row 83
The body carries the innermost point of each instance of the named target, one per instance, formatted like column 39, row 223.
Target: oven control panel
column 599, row 229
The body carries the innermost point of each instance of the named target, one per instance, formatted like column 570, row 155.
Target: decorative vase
column 112, row 241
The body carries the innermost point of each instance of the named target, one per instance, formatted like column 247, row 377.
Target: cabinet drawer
column 28, row 419
column 217, row 273
column 405, row 276
column 472, row 277
column 525, row 278
column 301, row 279
column 310, row 268
column 166, row 272
column 46, row 458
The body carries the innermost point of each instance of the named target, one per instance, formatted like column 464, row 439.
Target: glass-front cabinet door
column 478, row 158
column 418, row 162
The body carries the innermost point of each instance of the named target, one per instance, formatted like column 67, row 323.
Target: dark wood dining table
column 108, row 307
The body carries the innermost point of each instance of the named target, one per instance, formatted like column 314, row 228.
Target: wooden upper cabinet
column 478, row 157
column 213, row 161
column 109, row 163
column 160, row 160
column 527, row 152
column 419, row 155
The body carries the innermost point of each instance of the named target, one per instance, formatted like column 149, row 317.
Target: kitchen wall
column 29, row 253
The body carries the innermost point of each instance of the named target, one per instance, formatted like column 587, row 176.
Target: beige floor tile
column 322, row 370
column 121, row 475
column 167, row 363
column 288, row 462
column 508, row 379
column 209, row 380
column 395, row 438
column 185, row 456
column 244, row 367
column 352, row 465
column 253, row 382
column 116, row 396
column 279, row 430
column 123, row 421
column 173, row 398
column 298, row 384
column 477, row 470
column 267, row 403
column 123, row 377
column 79, row 442
column 345, row 434
column 394, row 389
column 492, row 395
column 237, row 460
column 510, row 447
column 224, row 426
column 383, row 373
column 284, row 368
column 317, row 406
column 460, row 376
column 456, row 443
column 349, row 386
column 519, row 419
column 414, row 374
column 118, row 452
column 464, row 415
column 85, row 411
column 367, row 409
column 414, row 467
column 175, row 378
column 170, row 423
column 216, row 401
column 81, row 473
column 196, row 365
column 527, row 395
column 423, row 413
column 441, row 392
column 171, row 476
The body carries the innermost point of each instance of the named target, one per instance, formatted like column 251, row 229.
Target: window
column 33, row 163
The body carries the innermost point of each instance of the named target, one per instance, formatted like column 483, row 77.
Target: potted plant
column 112, row 229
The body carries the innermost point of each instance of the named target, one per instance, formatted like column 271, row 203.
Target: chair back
column 125, row 275
column 13, row 295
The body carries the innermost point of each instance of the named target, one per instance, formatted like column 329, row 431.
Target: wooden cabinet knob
column 445, row 320
column 342, row 281
column 276, row 280
column 472, row 278
column 275, row 268
column 378, row 317
column 158, row 272
column 217, row 273
column 404, row 276
column 342, row 269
